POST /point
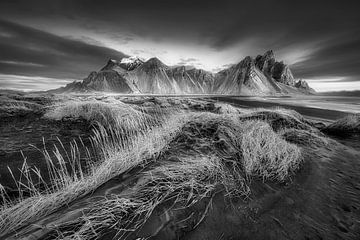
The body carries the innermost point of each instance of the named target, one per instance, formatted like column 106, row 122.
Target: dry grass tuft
column 209, row 152
column 266, row 154
column 187, row 155
column 305, row 138
column 121, row 147
column 279, row 118
column 12, row 108
column 184, row 183
column 344, row 126
column 223, row 108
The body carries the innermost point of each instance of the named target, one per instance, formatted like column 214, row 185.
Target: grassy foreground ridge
column 180, row 153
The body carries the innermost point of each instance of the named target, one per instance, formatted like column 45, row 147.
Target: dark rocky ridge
column 130, row 65
column 251, row 76
column 302, row 84
column 277, row 70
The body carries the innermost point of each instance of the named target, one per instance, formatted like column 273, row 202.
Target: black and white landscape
column 262, row 75
column 173, row 120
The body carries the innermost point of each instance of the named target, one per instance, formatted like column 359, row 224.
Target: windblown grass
column 189, row 155
column 344, row 126
column 184, row 183
column 266, row 154
column 209, row 152
column 116, row 157
column 114, row 114
column 11, row 108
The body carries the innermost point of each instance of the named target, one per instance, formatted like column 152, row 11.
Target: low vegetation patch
column 186, row 156
column 305, row 138
column 223, row 108
column 345, row 126
column 210, row 151
column 266, row 154
column 118, row 153
column 279, row 118
column 17, row 108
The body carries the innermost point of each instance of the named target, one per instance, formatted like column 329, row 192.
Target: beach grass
column 191, row 154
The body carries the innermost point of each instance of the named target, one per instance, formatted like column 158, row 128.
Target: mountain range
column 262, row 75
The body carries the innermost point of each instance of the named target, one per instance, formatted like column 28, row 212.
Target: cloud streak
column 27, row 83
column 338, row 57
column 28, row 51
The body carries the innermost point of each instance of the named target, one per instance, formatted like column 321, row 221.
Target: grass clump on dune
column 118, row 153
column 115, row 117
column 266, row 154
column 345, row 126
column 254, row 146
column 181, row 184
column 224, row 108
column 13, row 108
column 210, row 152
column 304, row 138
column 115, row 114
column 187, row 155
column 279, row 118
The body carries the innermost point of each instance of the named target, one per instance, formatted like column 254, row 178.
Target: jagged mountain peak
column 302, row 84
column 279, row 71
column 251, row 76
column 131, row 63
column 126, row 63
column 155, row 62
column 111, row 63
column 269, row 54
column 246, row 62
column 265, row 62
column 131, row 59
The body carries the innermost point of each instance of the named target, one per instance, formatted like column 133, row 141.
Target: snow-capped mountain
column 131, row 63
column 125, row 64
column 262, row 75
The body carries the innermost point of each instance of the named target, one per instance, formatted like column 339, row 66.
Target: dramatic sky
column 44, row 44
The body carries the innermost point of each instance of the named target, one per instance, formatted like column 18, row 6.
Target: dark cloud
column 158, row 19
column 28, row 51
column 334, row 58
column 327, row 30
column 280, row 23
column 218, row 24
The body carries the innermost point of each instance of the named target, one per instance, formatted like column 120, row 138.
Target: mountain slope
column 105, row 81
column 262, row 75
column 244, row 78
column 151, row 77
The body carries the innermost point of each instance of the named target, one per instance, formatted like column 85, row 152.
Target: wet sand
column 328, row 114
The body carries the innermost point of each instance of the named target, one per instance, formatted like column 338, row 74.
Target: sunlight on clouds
column 294, row 56
column 30, row 64
column 333, row 84
column 26, row 83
